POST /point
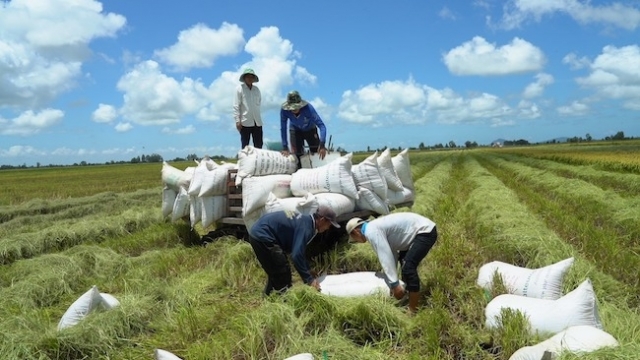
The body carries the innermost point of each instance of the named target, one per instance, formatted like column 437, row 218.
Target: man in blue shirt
column 288, row 232
column 304, row 122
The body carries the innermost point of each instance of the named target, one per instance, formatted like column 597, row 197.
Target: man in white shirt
column 405, row 237
column 246, row 109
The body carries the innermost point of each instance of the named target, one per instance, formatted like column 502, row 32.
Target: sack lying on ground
column 305, row 356
column 259, row 162
column 80, row 308
column 361, row 283
column 575, row 339
column 541, row 283
column 164, row 355
column 109, row 301
column 579, row 307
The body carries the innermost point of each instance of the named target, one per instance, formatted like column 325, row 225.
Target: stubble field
column 64, row 230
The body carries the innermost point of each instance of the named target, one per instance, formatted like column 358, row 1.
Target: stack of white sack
column 399, row 190
column 371, row 185
column 542, row 283
column 575, row 339
column 197, row 192
column 578, row 307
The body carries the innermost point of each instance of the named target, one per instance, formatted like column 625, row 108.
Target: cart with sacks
column 228, row 198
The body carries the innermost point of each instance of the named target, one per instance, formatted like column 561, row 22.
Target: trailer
column 233, row 224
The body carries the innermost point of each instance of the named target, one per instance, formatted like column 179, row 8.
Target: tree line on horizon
column 157, row 158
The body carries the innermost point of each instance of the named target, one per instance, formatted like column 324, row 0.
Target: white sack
column 164, row 355
column 195, row 210
column 187, row 175
column 368, row 200
column 541, row 283
column 305, row 356
column 259, row 162
column 80, row 308
column 402, row 165
column 360, row 283
column 214, row 182
column 307, row 204
column 109, row 301
column 171, row 176
column 341, row 204
column 203, row 167
column 334, row 177
column 256, row 190
column 388, row 171
column 309, row 161
column 168, row 199
column 579, row 307
column 575, row 339
column 367, row 175
column 181, row 205
column 214, row 208
column 399, row 197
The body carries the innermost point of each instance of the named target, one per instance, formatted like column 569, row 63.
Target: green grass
column 58, row 238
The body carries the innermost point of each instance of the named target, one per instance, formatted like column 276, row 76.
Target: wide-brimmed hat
column 329, row 214
column 352, row 224
column 294, row 101
column 248, row 71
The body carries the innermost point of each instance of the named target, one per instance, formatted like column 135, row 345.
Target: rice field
column 64, row 230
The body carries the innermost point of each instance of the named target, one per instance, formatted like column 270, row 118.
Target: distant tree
column 154, row 158
column 83, row 163
column 421, row 146
column 618, row 136
column 452, row 144
column 192, row 157
column 588, row 137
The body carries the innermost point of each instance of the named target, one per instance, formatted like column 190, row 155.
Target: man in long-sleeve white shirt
column 246, row 109
column 404, row 236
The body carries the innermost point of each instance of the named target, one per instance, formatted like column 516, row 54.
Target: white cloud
column 200, row 46
column 576, row 108
column 446, row 13
column 574, row 62
column 123, row 127
column 528, row 109
column 30, row 123
column 153, row 98
column 518, row 12
column 478, row 57
column 104, row 114
column 536, row 88
column 20, row 150
column 189, row 129
column 615, row 74
column 393, row 102
column 43, row 45
column 268, row 44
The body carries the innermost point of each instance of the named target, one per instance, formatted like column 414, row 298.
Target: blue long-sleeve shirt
column 306, row 119
column 292, row 231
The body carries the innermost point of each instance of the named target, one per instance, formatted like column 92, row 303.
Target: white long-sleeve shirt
column 390, row 234
column 246, row 105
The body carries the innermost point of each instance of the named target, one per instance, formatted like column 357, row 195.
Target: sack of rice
column 259, row 162
column 368, row 200
column 402, row 165
column 388, row 171
column 542, row 283
column 334, row 177
column 256, row 190
column 579, row 307
column 367, row 175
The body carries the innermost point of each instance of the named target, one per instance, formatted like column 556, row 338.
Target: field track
column 63, row 230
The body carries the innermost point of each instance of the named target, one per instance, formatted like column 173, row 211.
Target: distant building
column 496, row 144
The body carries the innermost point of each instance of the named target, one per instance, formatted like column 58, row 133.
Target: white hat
column 352, row 224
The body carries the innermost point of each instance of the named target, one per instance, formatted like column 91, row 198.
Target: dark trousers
column 411, row 258
column 297, row 139
column 251, row 131
column 275, row 263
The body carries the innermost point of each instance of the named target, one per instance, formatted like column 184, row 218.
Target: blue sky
column 82, row 80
